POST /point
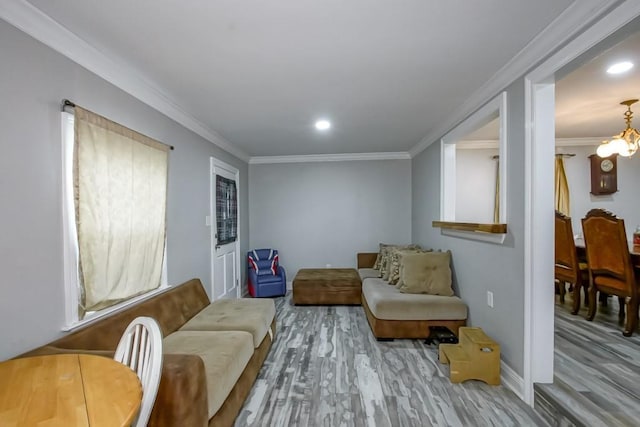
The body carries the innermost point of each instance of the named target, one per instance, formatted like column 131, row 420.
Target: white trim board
column 497, row 238
column 511, row 380
column 41, row 27
column 572, row 20
column 478, row 144
column 313, row 158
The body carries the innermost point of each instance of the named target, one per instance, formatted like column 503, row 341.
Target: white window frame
column 70, row 243
column 484, row 115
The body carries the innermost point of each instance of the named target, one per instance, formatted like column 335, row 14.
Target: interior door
column 225, row 231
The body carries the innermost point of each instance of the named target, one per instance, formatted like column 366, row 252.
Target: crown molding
column 560, row 142
column 43, row 28
column 590, row 141
column 316, row 158
column 572, row 20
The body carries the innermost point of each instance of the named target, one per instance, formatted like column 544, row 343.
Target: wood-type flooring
column 597, row 371
column 326, row 369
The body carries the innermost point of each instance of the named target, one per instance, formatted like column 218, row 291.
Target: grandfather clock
column 604, row 174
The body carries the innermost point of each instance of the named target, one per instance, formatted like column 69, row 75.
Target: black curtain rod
column 66, row 103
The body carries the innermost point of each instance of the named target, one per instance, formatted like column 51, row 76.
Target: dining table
column 68, row 390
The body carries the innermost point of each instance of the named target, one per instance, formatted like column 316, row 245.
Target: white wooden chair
column 140, row 348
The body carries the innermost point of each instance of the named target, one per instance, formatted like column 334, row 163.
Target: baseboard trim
column 511, row 380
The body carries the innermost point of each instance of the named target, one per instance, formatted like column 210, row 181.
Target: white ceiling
column 259, row 73
column 588, row 99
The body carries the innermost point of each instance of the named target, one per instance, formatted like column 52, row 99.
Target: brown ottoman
column 327, row 286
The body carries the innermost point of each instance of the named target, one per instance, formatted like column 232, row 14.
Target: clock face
column 606, row 165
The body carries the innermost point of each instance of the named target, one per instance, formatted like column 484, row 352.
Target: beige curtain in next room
column 561, row 187
column 120, row 193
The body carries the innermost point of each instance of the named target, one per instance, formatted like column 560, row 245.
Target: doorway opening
column 540, row 147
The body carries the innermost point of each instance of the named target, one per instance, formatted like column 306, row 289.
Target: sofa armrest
column 182, row 394
column 367, row 259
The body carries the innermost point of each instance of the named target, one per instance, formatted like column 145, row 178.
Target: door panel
column 225, row 256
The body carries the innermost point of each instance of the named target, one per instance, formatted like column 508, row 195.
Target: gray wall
column 324, row 213
column 475, row 184
column 33, row 81
column 478, row 266
column 624, row 203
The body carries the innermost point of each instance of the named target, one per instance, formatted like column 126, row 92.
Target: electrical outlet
column 490, row 299
column 207, row 221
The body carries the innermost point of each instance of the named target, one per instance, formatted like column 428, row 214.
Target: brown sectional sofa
column 212, row 351
column 393, row 314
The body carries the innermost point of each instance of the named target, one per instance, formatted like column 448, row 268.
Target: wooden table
column 68, row 390
column 327, row 286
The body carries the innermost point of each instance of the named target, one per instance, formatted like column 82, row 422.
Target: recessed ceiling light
column 323, row 124
column 620, row 67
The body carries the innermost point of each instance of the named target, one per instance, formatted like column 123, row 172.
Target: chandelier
column 626, row 143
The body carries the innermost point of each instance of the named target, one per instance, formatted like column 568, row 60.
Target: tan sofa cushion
column 426, row 273
column 366, row 273
column 251, row 315
column 387, row 303
column 225, row 355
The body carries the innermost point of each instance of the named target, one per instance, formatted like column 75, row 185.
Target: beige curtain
column 561, row 187
column 120, row 180
column 496, row 200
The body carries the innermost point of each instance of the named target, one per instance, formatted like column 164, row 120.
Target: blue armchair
column 266, row 276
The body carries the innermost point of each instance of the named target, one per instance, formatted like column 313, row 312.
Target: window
column 226, row 210
column 474, row 186
column 114, row 212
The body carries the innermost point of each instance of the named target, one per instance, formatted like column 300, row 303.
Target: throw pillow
column 395, row 278
column 376, row 264
column 400, row 282
column 427, row 273
column 396, row 262
column 382, row 266
column 385, row 268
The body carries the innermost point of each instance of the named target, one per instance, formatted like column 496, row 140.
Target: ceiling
column 260, row 73
column 588, row 99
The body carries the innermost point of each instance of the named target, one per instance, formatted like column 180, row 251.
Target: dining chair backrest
column 566, row 257
column 140, row 348
column 607, row 250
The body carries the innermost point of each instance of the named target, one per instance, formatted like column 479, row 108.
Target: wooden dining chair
column 140, row 348
column 568, row 269
column 610, row 267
